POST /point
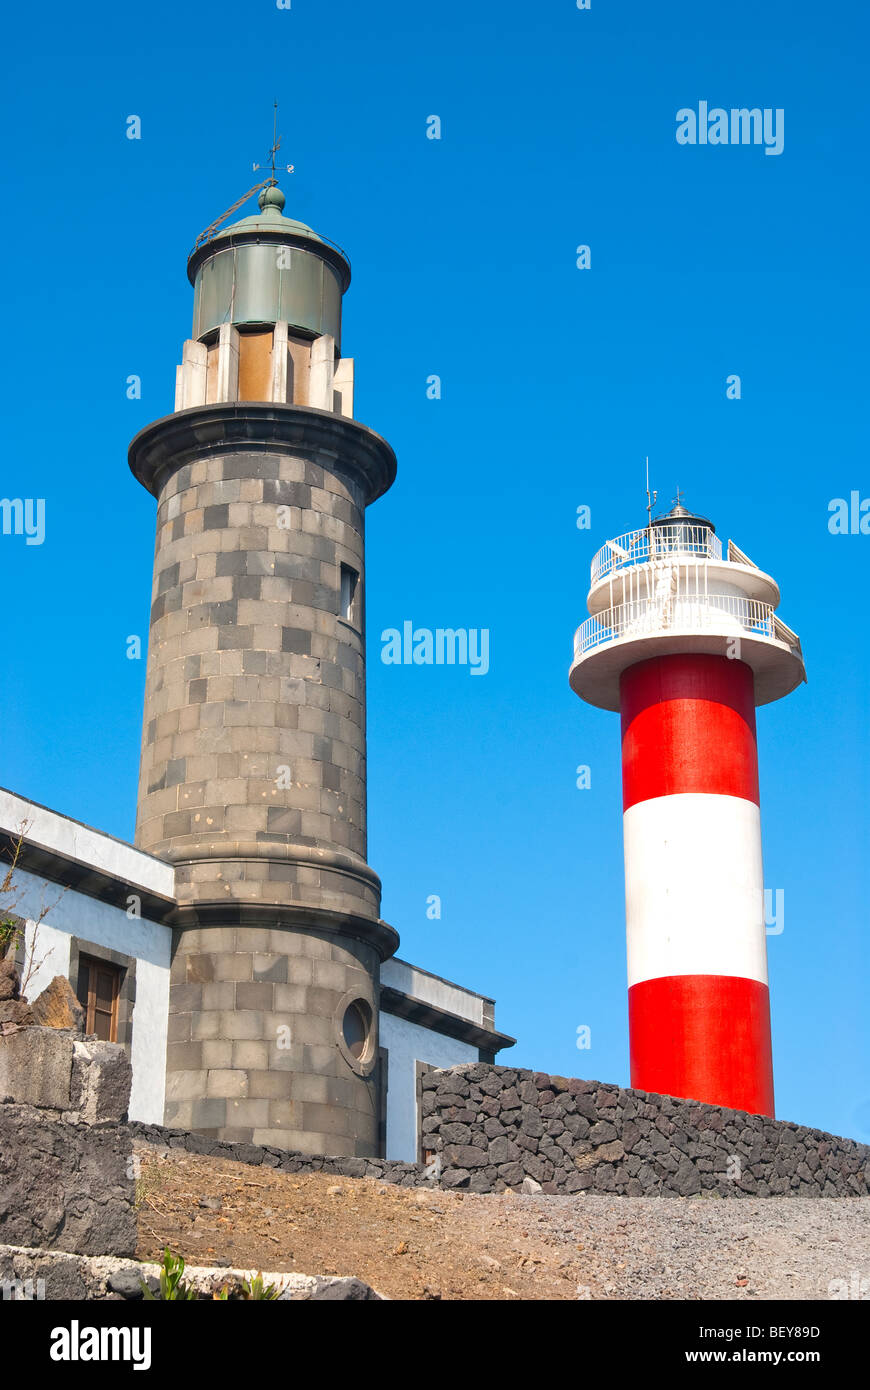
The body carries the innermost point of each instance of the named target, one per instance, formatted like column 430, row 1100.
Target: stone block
column 221, row 995
column 58, row 1007
column 254, row 996
column 208, row 1113
column 107, row 1074
column 227, row 1084
column 246, row 1024
column 304, row 1086
column 67, row 1186
column 237, row 966
column 186, row 1056
column 36, row 1068
column 270, row 968
column 270, row 1085
column 185, row 1085
column 253, row 1114
column 251, row 1055
column 216, row 1053
column 290, row 999
column 465, row 1156
column 286, row 1114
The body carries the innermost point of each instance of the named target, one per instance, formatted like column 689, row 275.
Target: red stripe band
column 688, row 725
column 703, row 1037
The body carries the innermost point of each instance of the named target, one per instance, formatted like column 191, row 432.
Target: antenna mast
column 650, row 501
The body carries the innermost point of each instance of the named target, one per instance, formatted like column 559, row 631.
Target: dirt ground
column 407, row 1243
column 413, row 1243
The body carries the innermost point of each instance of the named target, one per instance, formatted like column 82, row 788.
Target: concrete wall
column 407, row 1044
column 432, row 989
column 83, row 844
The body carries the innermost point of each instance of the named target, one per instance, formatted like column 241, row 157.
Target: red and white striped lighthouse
column 685, row 643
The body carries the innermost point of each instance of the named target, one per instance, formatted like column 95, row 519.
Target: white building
column 95, row 909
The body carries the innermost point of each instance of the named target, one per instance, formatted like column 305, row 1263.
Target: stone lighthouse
column 253, row 769
column 684, row 640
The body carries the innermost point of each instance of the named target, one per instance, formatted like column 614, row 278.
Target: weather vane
column 213, row 227
column 276, row 145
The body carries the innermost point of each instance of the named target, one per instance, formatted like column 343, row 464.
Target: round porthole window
column 356, row 1027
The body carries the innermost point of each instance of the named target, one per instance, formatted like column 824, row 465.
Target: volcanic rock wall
column 492, row 1127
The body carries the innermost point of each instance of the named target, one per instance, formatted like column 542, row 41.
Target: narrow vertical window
column 349, row 581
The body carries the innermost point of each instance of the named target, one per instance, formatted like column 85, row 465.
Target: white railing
column 784, row 634
column 736, row 556
column 637, row 547
column 677, row 613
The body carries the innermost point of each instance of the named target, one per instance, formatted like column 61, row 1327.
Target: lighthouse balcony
column 639, row 547
column 666, row 622
column 670, row 562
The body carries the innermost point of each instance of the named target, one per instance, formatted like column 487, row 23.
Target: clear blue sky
column 558, row 129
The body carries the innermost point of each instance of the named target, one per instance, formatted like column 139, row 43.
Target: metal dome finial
column 678, row 507
column 271, row 197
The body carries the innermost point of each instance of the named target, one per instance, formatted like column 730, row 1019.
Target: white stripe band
column 694, row 888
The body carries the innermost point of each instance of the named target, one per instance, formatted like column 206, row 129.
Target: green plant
column 172, row 1286
column 10, row 935
column 255, row 1288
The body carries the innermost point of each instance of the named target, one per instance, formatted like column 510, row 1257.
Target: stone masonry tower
column 253, row 772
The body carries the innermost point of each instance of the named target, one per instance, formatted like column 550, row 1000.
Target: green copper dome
column 270, row 224
column 270, row 218
column 268, row 268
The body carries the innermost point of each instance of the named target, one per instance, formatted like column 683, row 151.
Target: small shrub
column 255, row 1288
column 172, row 1286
